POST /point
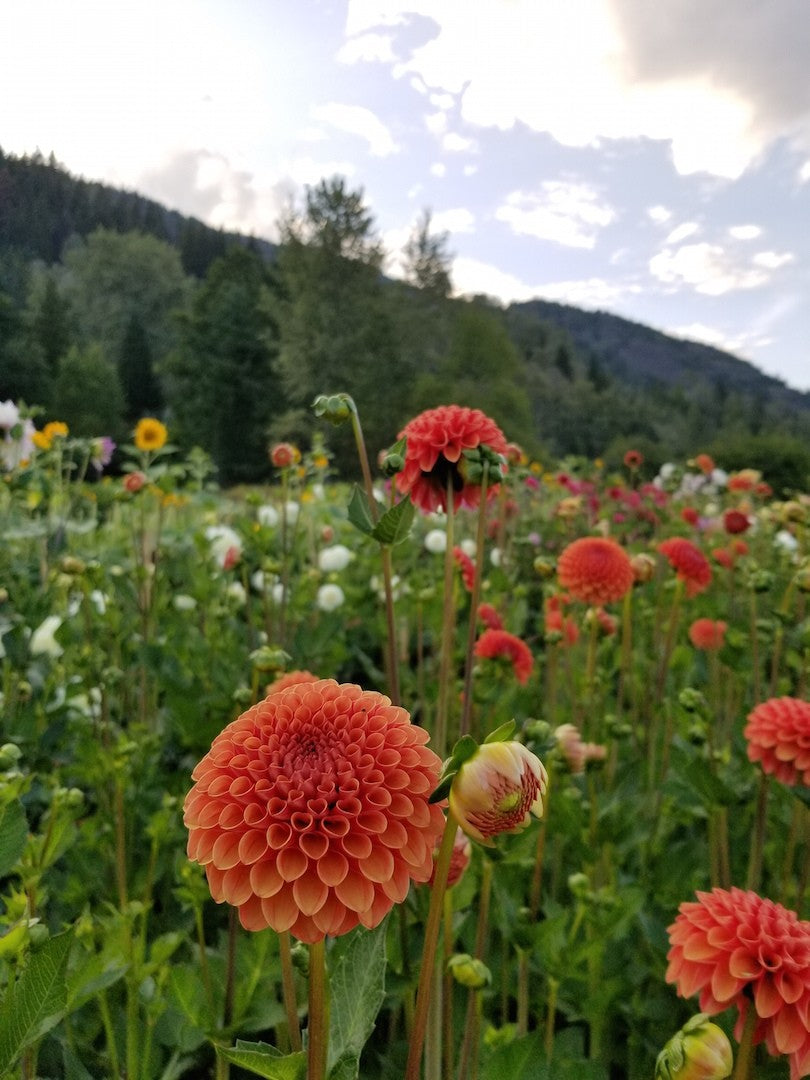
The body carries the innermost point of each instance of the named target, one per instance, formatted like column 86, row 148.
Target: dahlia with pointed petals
column 689, row 562
column 435, row 442
column 500, row 643
column 708, row 634
column 595, row 570
column 577, row 753
column 735, row 948
column 466, row 566
column 778, row 734
column 498, row 790
column 310, row 812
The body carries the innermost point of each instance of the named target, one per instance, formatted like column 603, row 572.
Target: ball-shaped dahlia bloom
column 735, row 521
column 735, row 948
column 290, row 678
column 778, row 734
column 708, row 634
column 689, row 562
column 595, row 570
column 498, row 790
column 435, row 442
column 493, row 644
column 310, row 812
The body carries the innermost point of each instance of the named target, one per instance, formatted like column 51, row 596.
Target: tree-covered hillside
column 113, row 307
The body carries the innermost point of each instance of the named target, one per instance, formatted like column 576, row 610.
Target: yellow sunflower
column 150, row 434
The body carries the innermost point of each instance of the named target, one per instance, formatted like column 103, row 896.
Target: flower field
column 480, row 767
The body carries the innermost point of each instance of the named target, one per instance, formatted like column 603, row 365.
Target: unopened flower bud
column 643, row 567
column 544, row 567
column 579, row 885
column 335, row 408
column 10, row 754
column 699, row 1051
column 71, row 565
column 269, row 658
column 498, row 790
column 469, row 972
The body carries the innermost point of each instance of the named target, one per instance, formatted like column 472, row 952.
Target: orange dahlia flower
column 708, row 634
column 735, row 948
column 497, row 643
column 595, row 570
column 290, row 678
column 689, row 562
column 435, row 441
column 310, row 812
column 778, row 734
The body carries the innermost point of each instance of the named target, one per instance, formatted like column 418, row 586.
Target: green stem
column 288, row 989
column 758, row 835
column 429, row 949
column 317, row 1023
column 469, row 1047
column 448, row 627
column 466, row 714
column 551, row 1017
column 109, row 1032
column 745, row 1053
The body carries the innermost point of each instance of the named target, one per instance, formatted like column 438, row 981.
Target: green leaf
column 395, row 524
column 264, row 1060
column 357, row 989
column 36, row 1002
column 74, row 1070
column 359, row 512
column 443, row 790
column 13, row 834
column 502, row 734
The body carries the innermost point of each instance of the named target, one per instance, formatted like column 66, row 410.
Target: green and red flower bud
column 699, row 1051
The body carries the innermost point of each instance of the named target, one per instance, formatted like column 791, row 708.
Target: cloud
column 567, row 213
column 681, row 232
column 459, row 220
column 438, row 169
column 736, row 343
column 773, row 260
column 206, row 186
column 744, row 232
column 360, row 121
column 455, row 143
column 472, row 276
column 659, row 214
column 707, row 268
column 620, row 69
column 369, row 48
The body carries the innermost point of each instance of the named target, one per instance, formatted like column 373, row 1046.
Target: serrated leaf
column 395, row 524
column 357, row 989
column 264, row 1060
column 13, row 834
column 37, row 1000
column 359, row 512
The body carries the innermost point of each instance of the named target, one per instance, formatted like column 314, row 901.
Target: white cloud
column 442, row 101
column 455, row 143
column 436, row 123
column 472, row 276
column 718, row 109
column 370, row 48
column 773, row 260
column 568, row 213
column 459, row 220
column 745, row 232
column 735, row 343
column 470, row 170
column 659, row 214
column 438, row 169
column 360, row 121
column 681, row 232
column 309, row 170
column 804, row 173
column 708, row 268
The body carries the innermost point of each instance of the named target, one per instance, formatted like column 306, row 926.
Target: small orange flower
column 134, row 481
column 778, row 734
column 500, row 643
column 311, row 811
column 705, row 463
column 150, row 434
column 284, row 454
column 634, row 459
column 290, row 678
column 56, row 429
column 576, row 752
column 41, row 440
column 595, row 570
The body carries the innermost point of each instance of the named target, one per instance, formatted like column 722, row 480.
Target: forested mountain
column 113, row 307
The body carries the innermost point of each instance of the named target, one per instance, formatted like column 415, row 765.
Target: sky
column 647, row 159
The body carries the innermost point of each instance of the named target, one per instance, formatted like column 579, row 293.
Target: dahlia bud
column 269, row 658
column 497, row 789
column 469, row 972
column 643, row 567
column 336, row 408
column 699, row 1051
column 544, row 567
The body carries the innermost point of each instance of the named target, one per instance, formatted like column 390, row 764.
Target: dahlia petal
column 401, row 806
column 306, row 930
column 201, row 844
column 280, row 910
column 742, row 965
column 251, row 915
column 397, row 886
column 236, row 886
column 265, row 879
column 372, row 821
column 215, row 879
column 377, row 912
column 379, row 865
column 395, row 835
column 767, row 999
column 279, row 835
column 357, row 845
column 724, row 986
column 790, row 986
column 310, row 893
column 209, row 814
column 314, row 845
column 788, row 1032
column 291, row 863
column 225, row 853
column 332, row 867
column 355, row 892
column 252, row 846
column 330, row 916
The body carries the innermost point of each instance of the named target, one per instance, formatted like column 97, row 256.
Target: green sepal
column 502, row 734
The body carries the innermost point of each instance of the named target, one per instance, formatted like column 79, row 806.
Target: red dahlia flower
column 595, row 570
column 705, row 463
column 708, row 634
column 285, row 454
column 734, row 521
column 634, row 459
column 735, row 948
column 495, row 643
column 490, row 617
column 466, row 566
column 778, row 734
column 310, row 812
column 689, row 562
column 436, row 440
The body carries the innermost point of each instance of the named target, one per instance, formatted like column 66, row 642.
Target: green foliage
column 36, row 1001
column 87, row 394
column 783, row 460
